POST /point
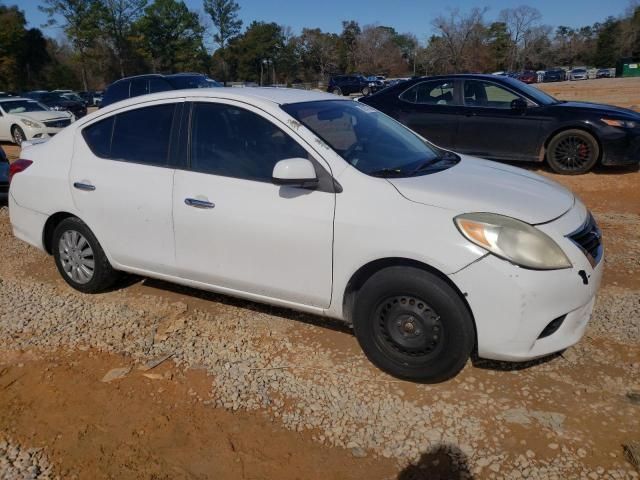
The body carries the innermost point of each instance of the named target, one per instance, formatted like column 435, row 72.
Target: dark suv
column 55, row 101
column 348, row 84
column 143, row 84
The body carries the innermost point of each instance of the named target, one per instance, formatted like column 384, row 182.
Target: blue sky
column 404, row 15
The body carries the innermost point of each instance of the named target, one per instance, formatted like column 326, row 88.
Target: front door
column 121, row 183
column 490, row 128
column 431, row 109
column 234, row 228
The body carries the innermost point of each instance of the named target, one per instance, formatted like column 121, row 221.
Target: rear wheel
column 572, row 152
column 80, row 258
column 18, row 135
column 336, row 91
column 412, row 324
column 366, row 91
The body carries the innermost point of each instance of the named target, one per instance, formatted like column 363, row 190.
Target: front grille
column 589, row 239
column 58, row 123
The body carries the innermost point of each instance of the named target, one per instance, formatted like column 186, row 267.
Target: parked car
column 75, row 97
column 504, row 119
column 555, row 75
column 579, row 74
column 528, row 76
column 4, row 177
column 144, row 84
column 348, row 84
column 603, row 73
column 318, row 204
column 25, row 119
column 55, row 101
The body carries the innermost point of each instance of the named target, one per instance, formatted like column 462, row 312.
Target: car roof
column 273, row 95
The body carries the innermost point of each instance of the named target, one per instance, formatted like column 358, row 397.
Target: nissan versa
column 320, row 204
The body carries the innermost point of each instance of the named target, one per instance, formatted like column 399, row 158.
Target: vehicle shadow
column 307, row 318
column 502, row 366
column 442, row 462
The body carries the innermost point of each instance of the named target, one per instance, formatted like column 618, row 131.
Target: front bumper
column 512, row 306
column 621, row 146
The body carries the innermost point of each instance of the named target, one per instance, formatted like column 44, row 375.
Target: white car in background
column 319, row 204
column 25, row 119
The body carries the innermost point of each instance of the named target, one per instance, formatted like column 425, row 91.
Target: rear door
column 431, row 108
column 490, row 128
column 122, row 180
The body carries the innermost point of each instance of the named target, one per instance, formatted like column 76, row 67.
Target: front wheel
column 18, row 135
column 413, row 325
column 80, row 258
column 337, row 91
column 572, row 152
column 366, row 91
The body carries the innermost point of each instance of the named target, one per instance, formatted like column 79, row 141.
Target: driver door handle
column 194, row 202
column 84, row 186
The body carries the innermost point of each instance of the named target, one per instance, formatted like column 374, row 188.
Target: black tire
column 413, row 325
column 336, row 91
column 102, row 277
column 17, row 134
column 573, row 152
column 366, row 91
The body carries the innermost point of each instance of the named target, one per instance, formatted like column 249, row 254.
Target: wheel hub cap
column 76, row 257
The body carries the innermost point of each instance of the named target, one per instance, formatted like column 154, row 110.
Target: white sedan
column 25, row 119
column 319, row 204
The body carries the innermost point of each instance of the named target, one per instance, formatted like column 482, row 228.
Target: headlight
column 57, row 108
column 372, row 84
column 512, row 240
column 619, row 123
column 30, row 123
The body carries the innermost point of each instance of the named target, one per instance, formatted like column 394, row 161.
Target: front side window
column 158, row 85
column 485, row 94
column 438, row 92
column 369, row 140
column 138, row 87
column 136, row 136
column 233, row 142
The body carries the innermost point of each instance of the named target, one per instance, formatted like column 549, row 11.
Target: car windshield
column 538, row 96
column 21, row 106
column 372, row 142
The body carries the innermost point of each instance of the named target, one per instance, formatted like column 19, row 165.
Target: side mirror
column 519, row 105
column 295, row 172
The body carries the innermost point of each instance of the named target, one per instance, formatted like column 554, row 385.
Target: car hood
column 475, row 185
column 599, row 107
column 43, row 116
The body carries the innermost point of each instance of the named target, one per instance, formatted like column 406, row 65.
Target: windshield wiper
column 445, row 156
column 388, row 172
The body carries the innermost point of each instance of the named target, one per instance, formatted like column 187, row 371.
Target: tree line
column 108, row 39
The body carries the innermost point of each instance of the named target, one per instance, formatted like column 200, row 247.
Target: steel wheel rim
column 573, row 152
column 407, row 326
column 76, row 257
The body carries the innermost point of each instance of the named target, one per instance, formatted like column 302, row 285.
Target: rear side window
column 158, row 85
column 116, row 92
column 430, row 93
column 98, row 137
column 137, row 136
column 139, row 86
column 233, row 142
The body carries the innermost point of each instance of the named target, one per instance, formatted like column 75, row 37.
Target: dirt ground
column 330, row 415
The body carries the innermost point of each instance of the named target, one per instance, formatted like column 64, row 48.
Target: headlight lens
column 619, row 123
column 512, row 240
column 30, row 123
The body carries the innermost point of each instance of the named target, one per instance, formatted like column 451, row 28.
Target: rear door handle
column 194, row 202
column 84, row 186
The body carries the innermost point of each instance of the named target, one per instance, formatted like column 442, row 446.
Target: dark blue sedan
column 501, row 118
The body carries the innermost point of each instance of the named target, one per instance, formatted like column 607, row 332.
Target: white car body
column 264, row 243
column 35, row 125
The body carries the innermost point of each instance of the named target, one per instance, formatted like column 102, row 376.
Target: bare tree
column 377, row 52
column 118, row 18
column 519, row 21
column 458, row 31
